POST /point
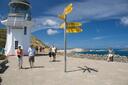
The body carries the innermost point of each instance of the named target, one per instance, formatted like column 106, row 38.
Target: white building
column 18, row 25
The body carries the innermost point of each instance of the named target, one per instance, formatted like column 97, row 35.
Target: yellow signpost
column 69, row 27
column 71, row 24
column 62, row 25
column 73, row 30
column 62, row 16
column 68, row 9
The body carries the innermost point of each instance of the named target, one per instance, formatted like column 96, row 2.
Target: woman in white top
column 31, row 54
column 110, row 55
column 54, row 51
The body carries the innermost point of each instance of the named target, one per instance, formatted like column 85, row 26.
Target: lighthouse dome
column 24, row 3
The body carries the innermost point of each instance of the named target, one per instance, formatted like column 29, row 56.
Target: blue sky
column 105, row 22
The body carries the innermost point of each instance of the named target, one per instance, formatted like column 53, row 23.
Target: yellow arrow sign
column 71, row 24
column 62, row 25
column 62, row 16
column 68, row 9
column 73, row 30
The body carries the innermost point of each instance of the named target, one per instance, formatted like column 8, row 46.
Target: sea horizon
column 117, row 52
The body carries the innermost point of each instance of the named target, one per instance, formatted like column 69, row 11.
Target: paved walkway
column 52, row 73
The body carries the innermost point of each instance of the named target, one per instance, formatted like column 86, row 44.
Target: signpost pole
column 74, row 29
column 65, row 45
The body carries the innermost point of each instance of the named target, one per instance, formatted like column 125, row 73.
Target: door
column 16, row 44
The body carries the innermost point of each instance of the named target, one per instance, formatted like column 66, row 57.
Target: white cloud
column 94, row 9
column 49, row 22
column 124, row 20
column 52, row 32
column 46, row 23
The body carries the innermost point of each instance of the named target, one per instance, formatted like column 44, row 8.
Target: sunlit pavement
column 52, row 73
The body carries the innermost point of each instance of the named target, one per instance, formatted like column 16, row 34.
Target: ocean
column 119, row 52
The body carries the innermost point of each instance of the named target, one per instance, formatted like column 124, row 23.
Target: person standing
column 110, row 55
column 40, row 48
column 19, row 54
column 37, row 49
column 50, row 54
column 31, row 51
column 54, row 51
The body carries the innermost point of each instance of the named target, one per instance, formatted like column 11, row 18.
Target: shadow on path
column 73, row 70
column 38, row 67
column 39, row 55
column 3, row 69
column 56, row 61
column 33, row 67
column 85, row 68
column 26, row 68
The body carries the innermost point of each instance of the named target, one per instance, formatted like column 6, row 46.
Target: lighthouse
column 18, row 24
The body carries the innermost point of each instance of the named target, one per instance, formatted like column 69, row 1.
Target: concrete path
column 52, row 73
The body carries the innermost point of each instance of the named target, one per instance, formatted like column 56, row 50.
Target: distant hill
column 34, row 40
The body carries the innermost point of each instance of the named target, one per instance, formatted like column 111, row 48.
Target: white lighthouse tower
column 18, row 25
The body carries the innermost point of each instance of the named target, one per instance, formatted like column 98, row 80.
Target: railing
column 19, row 21
column 16, row 14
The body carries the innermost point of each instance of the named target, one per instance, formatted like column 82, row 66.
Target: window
column 16, row 44
column 25, row 30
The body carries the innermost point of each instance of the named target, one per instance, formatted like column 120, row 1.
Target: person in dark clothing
column 37, row 49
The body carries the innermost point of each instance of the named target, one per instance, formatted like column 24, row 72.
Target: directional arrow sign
column 73, row 30
column 62, row 25
column 68, row 9
column 71, row 24
column 62, row 16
